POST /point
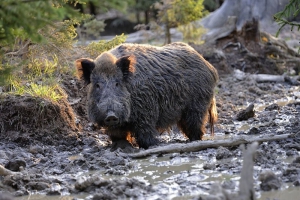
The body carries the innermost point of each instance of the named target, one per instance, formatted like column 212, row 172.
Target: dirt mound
column 77, row 97
column 251, row 51
column 27, row 119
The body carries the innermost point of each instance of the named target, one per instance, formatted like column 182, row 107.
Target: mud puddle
column 182, row 176
column 79, row 165
column 289, row 192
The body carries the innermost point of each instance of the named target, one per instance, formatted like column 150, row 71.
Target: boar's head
column 108, row 96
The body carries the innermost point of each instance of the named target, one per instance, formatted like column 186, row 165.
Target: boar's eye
column 117, row 84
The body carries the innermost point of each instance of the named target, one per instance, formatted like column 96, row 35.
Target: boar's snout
column 111, row 119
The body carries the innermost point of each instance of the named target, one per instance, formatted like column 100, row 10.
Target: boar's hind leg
column 192, row 124
column 145, row 136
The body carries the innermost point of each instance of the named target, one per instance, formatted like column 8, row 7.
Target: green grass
column 38, row 80
column 39, row 73
column 50, row 92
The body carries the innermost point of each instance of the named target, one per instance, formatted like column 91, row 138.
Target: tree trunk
column 246, row 10
column 147, row 17
column 137, row 16
column 92, row 8
column 168, row 35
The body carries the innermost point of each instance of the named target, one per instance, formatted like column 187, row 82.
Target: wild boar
column 142, row 89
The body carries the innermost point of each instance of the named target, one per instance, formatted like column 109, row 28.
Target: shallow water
column 287, row 193
column 168, row 171
column 182, row 176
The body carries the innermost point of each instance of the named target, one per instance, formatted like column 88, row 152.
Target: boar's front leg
column 145, row 135
column 117, row 134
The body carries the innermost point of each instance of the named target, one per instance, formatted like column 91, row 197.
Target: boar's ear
column 84, row 68
column 126, row 64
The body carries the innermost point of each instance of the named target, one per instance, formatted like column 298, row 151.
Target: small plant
column 292, row 9
column 34, row 54
column 173, row 13
column 42, row 68
column 37, row 80
column 53, row 93
column 30, row 16
column 50, row 92
column 91, row 27
column 96, row 48
column 192, row 32
column 5, row 71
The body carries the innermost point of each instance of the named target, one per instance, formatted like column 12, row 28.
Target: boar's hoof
column 111, row 119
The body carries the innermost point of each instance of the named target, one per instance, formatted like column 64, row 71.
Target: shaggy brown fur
column 142, row 89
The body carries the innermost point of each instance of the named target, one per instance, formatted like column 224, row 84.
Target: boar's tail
column 213, row 116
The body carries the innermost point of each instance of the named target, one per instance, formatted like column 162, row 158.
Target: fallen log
column 200, row 145
column 259, row 78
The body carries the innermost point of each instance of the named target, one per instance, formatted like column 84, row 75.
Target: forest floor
column 55, row 153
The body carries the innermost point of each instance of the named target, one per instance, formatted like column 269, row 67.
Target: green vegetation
column 26, row 23
column 192, row 32
column 290, row 10
column 145, row 7
column 91, row 27
column 96, row 48
column 173, row 13
column 37, row 45
column 37, row 78
column 52, row 93
column 38, row 37
column 28, row 18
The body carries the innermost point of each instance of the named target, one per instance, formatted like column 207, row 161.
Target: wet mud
column 76, row 161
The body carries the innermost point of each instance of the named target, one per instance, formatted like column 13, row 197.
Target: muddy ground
column 57, row 154
column 76, row 161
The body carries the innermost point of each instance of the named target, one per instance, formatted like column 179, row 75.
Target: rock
column 246, row 114
column 16, row 165
column 296, row 183
column 297, row 160
column 253, row 131
column 38, row 185
column 273, row 106
column 222, row 153
column 269, row 181
column 216, row 192
column 55, row 189
column 36, row 149
column 3, row 155
column 209, row 166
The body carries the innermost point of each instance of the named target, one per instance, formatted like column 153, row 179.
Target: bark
column 147, row 16
column 200, row 145
column 221, row 31
column 244, row 10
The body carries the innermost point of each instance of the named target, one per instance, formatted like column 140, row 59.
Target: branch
column 259, row 78
column 21, row 51
column 200, row 145
column 5, row 172
column 246, row 190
